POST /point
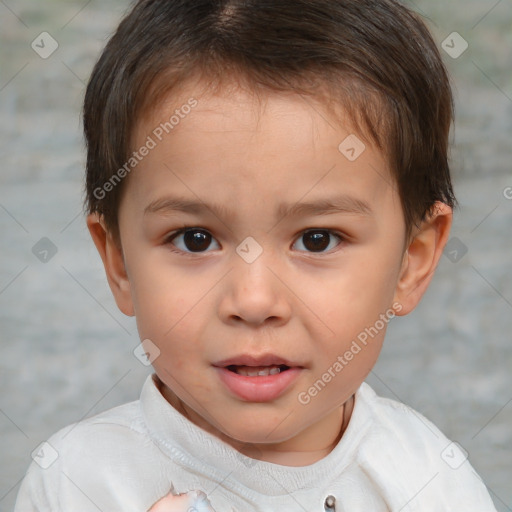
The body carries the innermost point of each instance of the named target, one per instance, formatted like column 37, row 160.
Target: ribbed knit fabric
column 390, row 458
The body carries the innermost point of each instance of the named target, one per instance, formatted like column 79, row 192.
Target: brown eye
column 318, row 240
column 194, row 240
column 197, row 241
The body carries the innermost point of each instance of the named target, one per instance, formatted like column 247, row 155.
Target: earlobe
column 112, row 256
column 422, row 256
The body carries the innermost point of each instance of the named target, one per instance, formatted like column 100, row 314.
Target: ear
column 422, row 256
column 112, row 256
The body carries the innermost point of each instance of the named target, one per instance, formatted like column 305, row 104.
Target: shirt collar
column 205, row 454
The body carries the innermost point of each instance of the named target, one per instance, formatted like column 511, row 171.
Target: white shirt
column 390, row 458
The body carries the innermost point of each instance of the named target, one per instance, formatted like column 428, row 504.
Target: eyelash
column 341, row 238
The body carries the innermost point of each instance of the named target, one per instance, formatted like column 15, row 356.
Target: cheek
column 172, row 310
column 179, row 337
column 353, row 296
column 163, row 297
column 168, row 320
column 347, row 307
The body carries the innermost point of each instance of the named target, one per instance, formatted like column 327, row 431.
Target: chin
column 258, row 429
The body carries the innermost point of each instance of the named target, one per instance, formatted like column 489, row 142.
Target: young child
column 268, row 186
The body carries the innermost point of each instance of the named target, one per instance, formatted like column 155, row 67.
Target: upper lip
column 261, row 360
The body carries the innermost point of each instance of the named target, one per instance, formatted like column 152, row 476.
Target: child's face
column 231, row 173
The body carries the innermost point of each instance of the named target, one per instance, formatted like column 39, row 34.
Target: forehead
column 237, row 141
column 232, row 108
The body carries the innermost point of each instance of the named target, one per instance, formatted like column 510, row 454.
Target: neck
column 307, row 447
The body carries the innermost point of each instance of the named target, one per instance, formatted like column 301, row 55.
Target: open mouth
column 258, row 378
column 257, row 371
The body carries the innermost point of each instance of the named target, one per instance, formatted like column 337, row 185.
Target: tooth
column 260, row 371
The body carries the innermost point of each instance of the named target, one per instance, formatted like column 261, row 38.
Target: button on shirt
column 390, row 458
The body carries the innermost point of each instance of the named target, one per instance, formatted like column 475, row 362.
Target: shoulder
column 99, row 430
column 399, row 421
column 82, row 454
column 404, row 453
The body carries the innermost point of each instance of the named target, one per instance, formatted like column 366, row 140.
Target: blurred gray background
column 67, row 352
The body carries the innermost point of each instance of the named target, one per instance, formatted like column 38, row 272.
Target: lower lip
column 262, row 388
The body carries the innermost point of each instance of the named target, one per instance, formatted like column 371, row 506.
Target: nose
column 253, row 295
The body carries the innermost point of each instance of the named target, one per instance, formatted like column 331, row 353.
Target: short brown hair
column 375, row 58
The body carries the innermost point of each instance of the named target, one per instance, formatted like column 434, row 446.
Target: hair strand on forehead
column 373, row 58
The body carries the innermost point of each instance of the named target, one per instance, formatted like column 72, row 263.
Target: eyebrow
column 339, row 204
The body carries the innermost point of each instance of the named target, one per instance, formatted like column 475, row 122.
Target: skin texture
column 172, row 503
column 249, row 157
column 190, row 502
